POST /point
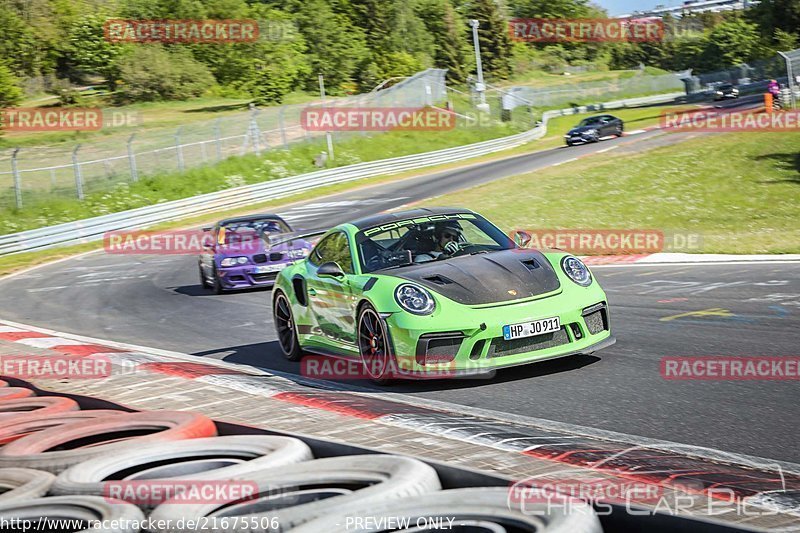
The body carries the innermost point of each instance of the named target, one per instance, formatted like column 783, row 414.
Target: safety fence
column 29, row 174
column 90, row 230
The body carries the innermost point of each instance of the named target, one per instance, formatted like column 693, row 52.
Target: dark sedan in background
column 592, row 129
column 726, row 91
column 249, row 251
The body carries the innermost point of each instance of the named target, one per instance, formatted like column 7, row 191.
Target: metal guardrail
column 92, row 229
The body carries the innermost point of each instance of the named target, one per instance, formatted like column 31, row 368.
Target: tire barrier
column 57, row 463
column 14, row 393
column 212, row 458
column 25, row 424
column 85, row 510
column 56, row 449
column 24, row 483
column 38, row 405
column 480, row 510
column 291, row 495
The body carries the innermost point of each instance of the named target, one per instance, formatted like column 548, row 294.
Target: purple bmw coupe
column 249, row 251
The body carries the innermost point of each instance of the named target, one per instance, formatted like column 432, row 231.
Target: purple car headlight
column 302, row 253
column 233, row 261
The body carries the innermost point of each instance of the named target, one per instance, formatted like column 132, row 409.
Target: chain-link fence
column 29, row 174
column 638, row 84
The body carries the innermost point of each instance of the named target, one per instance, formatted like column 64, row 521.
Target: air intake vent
column 439, row 280
column 531, row 264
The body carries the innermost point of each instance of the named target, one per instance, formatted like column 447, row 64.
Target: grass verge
column 739, row 192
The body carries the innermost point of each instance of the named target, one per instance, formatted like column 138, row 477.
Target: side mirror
column 330, row 270
column 522, row 238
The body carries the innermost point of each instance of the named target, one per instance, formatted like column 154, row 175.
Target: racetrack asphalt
column 157, row 301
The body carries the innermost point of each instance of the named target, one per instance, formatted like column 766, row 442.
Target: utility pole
column 328, row 136
column 480, row 87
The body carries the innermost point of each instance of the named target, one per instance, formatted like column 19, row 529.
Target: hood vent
column 530, row 264
column 438, row 280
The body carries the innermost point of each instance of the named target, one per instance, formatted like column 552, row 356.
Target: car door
column 331, row 300
column 209, row 249
column 606, row 126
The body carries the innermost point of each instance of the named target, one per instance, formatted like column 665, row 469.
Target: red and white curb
column 683, row 259
column 755, row 480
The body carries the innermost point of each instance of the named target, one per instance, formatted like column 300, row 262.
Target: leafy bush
column 150, row 73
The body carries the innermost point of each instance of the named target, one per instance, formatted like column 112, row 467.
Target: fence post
column 17, row 179
column 132, row 159
column 218, row 140
column 282, row 122
column 254, row 131
column 77, row 169
column 179, row 149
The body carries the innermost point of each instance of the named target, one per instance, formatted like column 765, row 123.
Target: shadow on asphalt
column 268, row 356
column 199, row 290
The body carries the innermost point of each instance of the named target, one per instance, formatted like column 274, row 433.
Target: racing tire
column 115, row 515
column 374, row 346
column 24, row 483
column 15, row 393
column 473, row 509
column 203, row 281
column 36, row 405
column 75, row 443
column 286, row 328
column 312, row 489
column 28, row 423
column 620, row 131
column 226, row 457
column 217, row 284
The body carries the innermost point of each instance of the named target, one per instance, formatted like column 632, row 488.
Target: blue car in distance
column 249, row 251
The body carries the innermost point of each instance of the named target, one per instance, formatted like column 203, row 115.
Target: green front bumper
column 424, row 346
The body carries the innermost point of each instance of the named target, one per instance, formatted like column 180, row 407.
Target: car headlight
column 233, row 261
column 298, row 254
column 576, row 271
column 414, row 299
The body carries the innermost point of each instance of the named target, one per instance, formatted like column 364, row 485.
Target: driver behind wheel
column 447, row 236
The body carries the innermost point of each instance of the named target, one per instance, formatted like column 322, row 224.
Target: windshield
column 439, row 238
column 260, row 225
column 591, row 121
column 237, row 232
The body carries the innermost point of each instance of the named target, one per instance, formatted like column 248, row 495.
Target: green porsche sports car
column 437, row 292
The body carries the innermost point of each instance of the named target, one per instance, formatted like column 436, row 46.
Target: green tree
column 449, row 32
column 777, row 14
column 494, row 39
column 336, row 47
column 89, row 49
column 10, row 92
column 733, row 42
column 551, row 8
